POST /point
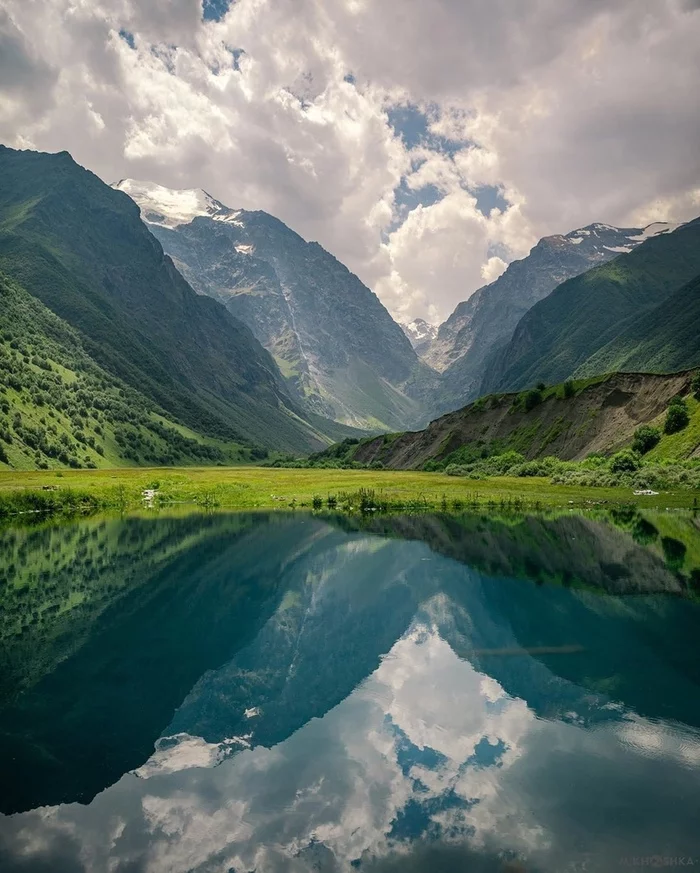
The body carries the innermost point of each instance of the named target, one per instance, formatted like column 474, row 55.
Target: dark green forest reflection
column 290, row 692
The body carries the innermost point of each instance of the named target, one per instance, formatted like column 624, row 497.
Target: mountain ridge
column 562, row 331
column 480, row 326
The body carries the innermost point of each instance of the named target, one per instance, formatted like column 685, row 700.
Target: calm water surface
column 264, row 693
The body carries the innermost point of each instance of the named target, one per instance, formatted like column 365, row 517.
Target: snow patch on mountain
column 654, row 229
column 168, row 207
column 619, row 240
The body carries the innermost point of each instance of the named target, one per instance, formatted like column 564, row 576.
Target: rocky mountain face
column 80, row 248
column 335, row 343
column 484, row 323
column 557, row 337
column 420, row 334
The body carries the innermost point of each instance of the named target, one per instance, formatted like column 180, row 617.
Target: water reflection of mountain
column 251, row 626
column 566, row 649
column 200, row 590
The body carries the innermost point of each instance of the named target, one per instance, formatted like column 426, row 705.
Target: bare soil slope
column 601, row 416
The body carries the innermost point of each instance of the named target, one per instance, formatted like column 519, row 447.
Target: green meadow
column 269, row 488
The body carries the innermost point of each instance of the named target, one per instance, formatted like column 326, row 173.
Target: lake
column 297, row 692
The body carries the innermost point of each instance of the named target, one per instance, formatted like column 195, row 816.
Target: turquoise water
column 292, row 693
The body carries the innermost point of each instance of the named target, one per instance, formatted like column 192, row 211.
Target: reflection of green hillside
column 111, row 684
column 673, row 537
column 56, row 580
column 569, row 550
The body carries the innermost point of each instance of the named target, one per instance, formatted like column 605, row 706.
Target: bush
column 569, row 389
column 677, row 416
column 695, row 385
column 532, row 399
column 626, row 461
column 544, row 467
column 645, row 438
column 501, row 464
column 540, row 386
column 674, row 552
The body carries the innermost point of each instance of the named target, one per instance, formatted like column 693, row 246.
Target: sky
column 425, row 143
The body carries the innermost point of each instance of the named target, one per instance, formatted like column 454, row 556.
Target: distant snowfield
column 170, row 208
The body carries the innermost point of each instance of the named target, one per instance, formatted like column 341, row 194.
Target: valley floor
column 267, row 488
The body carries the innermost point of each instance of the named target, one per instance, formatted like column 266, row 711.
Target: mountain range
column 144, row 325
column 481, row 326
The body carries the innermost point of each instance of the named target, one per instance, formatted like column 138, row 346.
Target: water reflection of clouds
column 426, row 747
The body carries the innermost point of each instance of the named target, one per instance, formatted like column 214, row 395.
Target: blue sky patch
column 412, row 125
column 214, row 10
column 406, row 200
column 489, row 197
column 128, row 38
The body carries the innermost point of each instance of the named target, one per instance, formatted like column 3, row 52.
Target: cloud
column 415, row 166
column 427, row 751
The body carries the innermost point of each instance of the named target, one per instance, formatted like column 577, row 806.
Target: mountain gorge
column 144, row 325
column 479, row 327
column 342, row 354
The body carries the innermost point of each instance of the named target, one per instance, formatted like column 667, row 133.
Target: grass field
column 266, row 487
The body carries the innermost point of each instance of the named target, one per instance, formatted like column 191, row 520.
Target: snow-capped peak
column 419, row 331
column 170, row 208
column 599, row 236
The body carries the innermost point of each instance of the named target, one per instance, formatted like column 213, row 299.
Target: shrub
column 645, row 438
column 695, row 385
column 674, row 552
column 677, row 416
column 569, row 389
column 501, row 464
column 543, row 467
column 540, row 386
column 626, row 461
column 532, row 399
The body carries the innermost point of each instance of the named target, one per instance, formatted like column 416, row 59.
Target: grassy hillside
column 663, row 340
column 81, row 248
column 568, row 421
column 58, row 408
column 560, row 333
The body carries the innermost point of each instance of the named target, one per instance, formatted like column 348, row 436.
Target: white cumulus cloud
column 573, row 112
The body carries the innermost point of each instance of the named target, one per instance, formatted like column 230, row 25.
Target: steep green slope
column 81, row 248
column 663, row 340
column 584, row 314
column 567, row 421
column 58, row 408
